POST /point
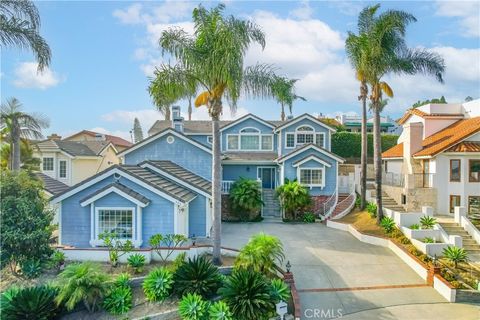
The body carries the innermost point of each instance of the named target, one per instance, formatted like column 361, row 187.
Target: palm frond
column 258, row 80
column 386, row 89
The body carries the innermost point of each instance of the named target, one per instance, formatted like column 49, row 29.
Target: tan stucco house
column 86, row 135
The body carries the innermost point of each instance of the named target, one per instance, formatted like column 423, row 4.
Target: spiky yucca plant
column 247, row 293
column 158, row 284
column 192, row 307
column 427, row 222
column 30, row 303
column 279, row 290
column 455, row 255
column 219, row 311
column 199, row 276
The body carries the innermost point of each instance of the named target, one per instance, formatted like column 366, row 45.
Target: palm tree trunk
column 282, row 115
column 15, row 146
column 363, row 160
column 377, row 158
column 190, row 108
column 167, row 113
column 217, row 182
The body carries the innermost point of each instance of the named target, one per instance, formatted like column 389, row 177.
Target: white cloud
column 130, row 15
column 166, row 12
column 303, row 12
column 27, row 76
column 466, row 11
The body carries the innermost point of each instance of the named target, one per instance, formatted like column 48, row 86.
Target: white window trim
column 313, row 158
column 286, row 139
column 117, row 191
column 60, row 169
column 209, row 139
column 53, row 164
column 324, row 139
column 322, row 185
column 258, row 134
column 95, row 241
column 295, row 136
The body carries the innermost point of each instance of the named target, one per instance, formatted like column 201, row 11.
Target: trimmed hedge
column 348, row 144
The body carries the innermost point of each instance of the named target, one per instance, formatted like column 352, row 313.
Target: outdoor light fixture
column 288, row 266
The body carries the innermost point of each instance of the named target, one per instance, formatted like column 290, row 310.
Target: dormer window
column 249, row 139
column 304, row 135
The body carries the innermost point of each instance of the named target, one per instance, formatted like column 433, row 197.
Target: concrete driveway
column 339, row 276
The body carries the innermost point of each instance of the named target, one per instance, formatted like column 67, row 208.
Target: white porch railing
column 226, row 185
column 329, row 205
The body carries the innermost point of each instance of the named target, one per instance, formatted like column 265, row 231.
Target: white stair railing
column 328, row 206
column 226, row 185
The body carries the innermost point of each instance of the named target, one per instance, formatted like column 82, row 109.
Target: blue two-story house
column 164, row 183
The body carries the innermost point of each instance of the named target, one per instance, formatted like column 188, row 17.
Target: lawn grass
column 363, row 222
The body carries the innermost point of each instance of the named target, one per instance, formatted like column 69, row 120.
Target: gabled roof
column 313, row 158
column 423, row 114
column 449, row 137
column 245, row 117
column 118, row 188
column 161, row 134
column 310, row 146
column 144, row 177
column 117, row 141
column 51, row 185
column 304, row 116
column 174, row 171
column 394, row 152
column 77, row 148
column 466, row 146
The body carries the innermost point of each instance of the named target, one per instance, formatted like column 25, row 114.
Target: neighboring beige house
column 71, row 162
column 437, row 159
column 85, row 135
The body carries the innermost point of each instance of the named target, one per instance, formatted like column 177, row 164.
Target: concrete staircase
column 271, row 205
column 388, row 202
column 342, row 205
column 469, row 244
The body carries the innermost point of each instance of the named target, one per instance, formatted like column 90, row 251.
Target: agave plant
column 219, row 311
column 455, row 255
column 388, row 224
column 192, row 307
column 83, row 282
column 30, row 303
column 247, row 293
column 158, row 284
column 136, row 262
column 261, row 253
column 197, row 276
column 427, row 222
column 279, row 290
column 118, row 300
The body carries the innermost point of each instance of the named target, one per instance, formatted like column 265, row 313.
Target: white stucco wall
column 394, row 166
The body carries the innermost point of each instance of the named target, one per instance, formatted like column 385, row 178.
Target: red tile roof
column 422, row 114
column 394, row 152
column 466, row 146
column 115, row 140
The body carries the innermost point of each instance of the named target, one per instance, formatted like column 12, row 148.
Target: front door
column 267, row 177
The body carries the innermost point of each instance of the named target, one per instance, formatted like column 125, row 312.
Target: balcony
column 226, row 186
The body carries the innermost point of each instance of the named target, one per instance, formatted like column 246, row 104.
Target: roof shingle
column 51, row 185
column 394, row 152
column 122, row 188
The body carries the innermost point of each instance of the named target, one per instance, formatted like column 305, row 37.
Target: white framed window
column 210, row 139
column 118, row 221
column 290, row 140
column 47, row 164
column 62, row 168
column 312, row 176
column 249, row 139
column 304, row 135
column 320, row 140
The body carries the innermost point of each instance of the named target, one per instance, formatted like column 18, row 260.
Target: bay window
column 118, row 221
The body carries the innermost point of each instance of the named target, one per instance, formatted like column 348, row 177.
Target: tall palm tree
column 385, row 51
column 283, row 90
column 17, row 124
column 20, row 27
column 213, row 59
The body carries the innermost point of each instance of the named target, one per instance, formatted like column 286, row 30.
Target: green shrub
column 358, row 201
column 396, row 234
column 260, row 253
column 372, row 209
column 293, row 198
column 24, row 220
column 308, row 217
column 246, row 198
column 427, row 222
column 414, row 226
column 169, row 242
column 57, row 260
column 122, row 280
column 83, row 282
column 348, row 144
column 279, row 291
column 31, row 268
column 136, row 262
column 158, row 284
column 192, row 307
column 118, row 300
column 247, row 293
column 455, row 255
column 405, row 240
column 428, row 240
column 178, row 262
column 388, row 224
column 198, row 276
column 219, row 311
column 30, row 303
column 116, row 246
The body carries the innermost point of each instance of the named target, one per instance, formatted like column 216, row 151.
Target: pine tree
column 137, row 131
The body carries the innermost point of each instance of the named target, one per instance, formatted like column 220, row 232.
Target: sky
column 104, row 52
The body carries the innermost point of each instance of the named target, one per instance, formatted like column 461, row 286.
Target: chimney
column 177, row 119
column 413, row 137
column 54, row 136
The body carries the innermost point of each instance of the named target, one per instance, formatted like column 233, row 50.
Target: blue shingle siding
column 251, row 123
column 157, row 216
column 234, row 172
column 203, row 139
column 180, row 151
column 330, row 173
column 197, row 219
column 291, row 129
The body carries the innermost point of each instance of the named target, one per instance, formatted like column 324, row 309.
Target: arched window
column 304, row 135
column 249, row 130
column 250, row 139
